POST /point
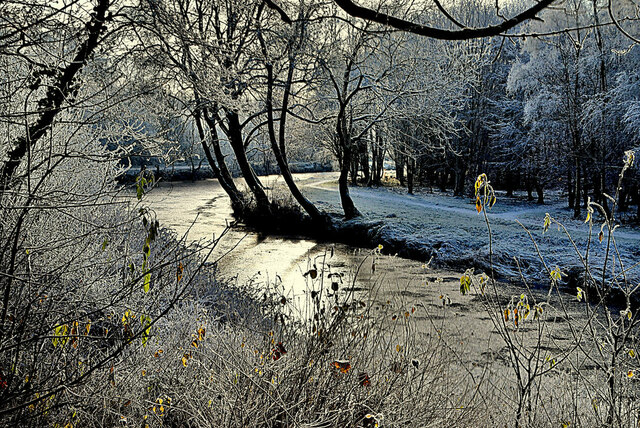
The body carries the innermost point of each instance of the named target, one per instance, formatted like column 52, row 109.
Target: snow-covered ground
column 452, row 225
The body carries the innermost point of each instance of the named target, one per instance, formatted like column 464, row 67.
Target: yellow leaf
column 547, row 223
column 398, row 348
column 465, row 284
column 478, row 205
column 147, row 282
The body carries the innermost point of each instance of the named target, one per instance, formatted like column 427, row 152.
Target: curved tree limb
column 358, row 11
column 56, row 94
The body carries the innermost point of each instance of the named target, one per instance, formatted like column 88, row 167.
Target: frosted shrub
column 572, row 351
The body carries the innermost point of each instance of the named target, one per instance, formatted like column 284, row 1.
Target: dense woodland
column 105, row 313
column 553, row 110
column 544, row 108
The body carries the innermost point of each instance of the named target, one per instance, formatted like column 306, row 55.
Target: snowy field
column 452, row 225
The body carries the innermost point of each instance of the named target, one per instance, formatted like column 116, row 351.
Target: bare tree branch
column 437, row 33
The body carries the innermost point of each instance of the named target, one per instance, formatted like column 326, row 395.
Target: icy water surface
column 201, row 210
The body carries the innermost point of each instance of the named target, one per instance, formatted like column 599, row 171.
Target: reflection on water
column 202, row 211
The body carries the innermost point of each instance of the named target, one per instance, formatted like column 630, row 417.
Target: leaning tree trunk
column 226, row 182
column 217, row 151
column 235, row 139
column 278, row 145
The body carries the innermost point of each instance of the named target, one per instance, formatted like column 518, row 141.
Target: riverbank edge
column 204, row 172
column 288, row 220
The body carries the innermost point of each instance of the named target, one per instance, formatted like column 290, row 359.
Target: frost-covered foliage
column 75, row 252
column 577, row 98
column 88, row 278
column 351, row 364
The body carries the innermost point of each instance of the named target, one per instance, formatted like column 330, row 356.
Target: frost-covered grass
column 453, row 227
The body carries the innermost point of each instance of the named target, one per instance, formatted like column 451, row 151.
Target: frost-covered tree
column 570, row 102
column 71, row 251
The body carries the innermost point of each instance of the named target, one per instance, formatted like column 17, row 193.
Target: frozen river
column 202, row 210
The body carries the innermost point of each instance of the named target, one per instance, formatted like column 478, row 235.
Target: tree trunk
column 577, row 192
column 509, row 183
column 364, row 163
column 460, row 177
column 601, row 190
column 442, row 180
column 400, row 171
column 355, row 160
column 622, row 198
column 217, row 151
column 529, row 186
column 539, row 191
column 410, row 174
column 570, row 188
column 350, row 210
column 235, row 139
column 374, row 159
column 278, row 146
column 585, row 189
column 225, row 180
column 377, row 151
